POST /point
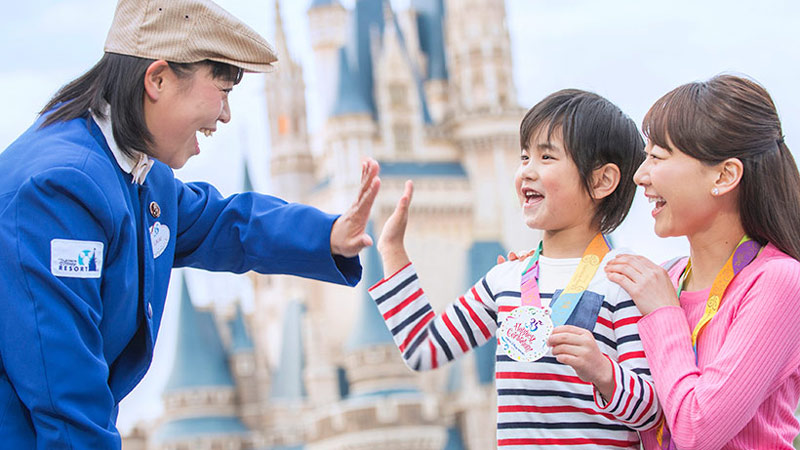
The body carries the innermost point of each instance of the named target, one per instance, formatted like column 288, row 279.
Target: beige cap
column 187, row 31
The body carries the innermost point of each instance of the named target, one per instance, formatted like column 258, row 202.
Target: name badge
column 159, row 238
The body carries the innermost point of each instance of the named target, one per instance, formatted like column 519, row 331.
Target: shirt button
column 149, row 310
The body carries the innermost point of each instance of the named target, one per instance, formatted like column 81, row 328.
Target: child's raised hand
column 577, row 348
column 647, row 283
column 390, row 244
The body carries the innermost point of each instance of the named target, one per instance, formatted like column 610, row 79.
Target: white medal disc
column 523, row 335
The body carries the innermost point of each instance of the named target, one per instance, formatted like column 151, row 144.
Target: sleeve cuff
column 386, row 284
column 601, row 404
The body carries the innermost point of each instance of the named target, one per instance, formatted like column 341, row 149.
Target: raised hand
column 390, row 244
column 647, row 283
column 577, row 348
column 348, row 236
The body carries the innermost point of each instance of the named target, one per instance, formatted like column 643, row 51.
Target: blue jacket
column 86, row 260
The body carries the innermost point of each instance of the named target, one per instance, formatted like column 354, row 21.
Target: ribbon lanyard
column 565, row 304
column 745, row 252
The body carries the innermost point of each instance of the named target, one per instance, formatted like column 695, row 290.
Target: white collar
column 139, row 165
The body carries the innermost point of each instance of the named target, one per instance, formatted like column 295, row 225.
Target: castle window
column 398, row 95
column 402, row 138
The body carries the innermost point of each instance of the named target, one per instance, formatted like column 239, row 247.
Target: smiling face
column 177, row 108
column 549, row 187
column 680, row 187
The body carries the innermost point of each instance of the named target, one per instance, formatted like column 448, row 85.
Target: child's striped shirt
column 543, row 403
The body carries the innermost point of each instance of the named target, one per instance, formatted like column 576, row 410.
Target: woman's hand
column 647, row 283
column 348, row 234
column 577, row 348
column 391, row 243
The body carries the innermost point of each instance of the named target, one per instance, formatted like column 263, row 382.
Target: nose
column 225, row 112
column 642, row 175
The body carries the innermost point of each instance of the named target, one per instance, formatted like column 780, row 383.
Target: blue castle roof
column 247, row 184
column 200, row 359
column 430, row 23
column 240, row 338
column 356, row 82
column 454, row 440
column 351, row 98
column 192, row 428
column 355, row 93
column 370, row 328
column 318, row 3
column 288, row 382
column 422, row 169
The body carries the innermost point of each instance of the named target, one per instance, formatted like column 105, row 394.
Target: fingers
column 408, row 194
column 569, row 335
column 500, row 259
column 369, row 172
column 512, row 256
column 366, row 200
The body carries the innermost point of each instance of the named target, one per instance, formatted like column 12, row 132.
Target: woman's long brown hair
column 734, row 117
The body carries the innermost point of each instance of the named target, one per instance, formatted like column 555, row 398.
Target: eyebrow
column 547, row 146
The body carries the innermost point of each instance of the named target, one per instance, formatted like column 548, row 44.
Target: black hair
column 595, row 132
column 734, row 117
column 119, row 81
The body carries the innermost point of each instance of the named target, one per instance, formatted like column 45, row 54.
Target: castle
column 429, row 93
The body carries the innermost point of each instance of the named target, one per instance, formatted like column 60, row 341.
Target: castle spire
column 291, row 164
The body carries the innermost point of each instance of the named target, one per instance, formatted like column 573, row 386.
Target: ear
column 154, row 79
column 605, row 180
column 729, row 174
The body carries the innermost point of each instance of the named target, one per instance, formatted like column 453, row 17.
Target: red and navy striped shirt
column 542, row 403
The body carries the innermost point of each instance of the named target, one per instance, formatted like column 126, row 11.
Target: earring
column 715, row 191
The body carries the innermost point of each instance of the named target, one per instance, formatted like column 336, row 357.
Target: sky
column 630, row 51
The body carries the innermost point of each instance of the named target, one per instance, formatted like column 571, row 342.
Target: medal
column 524, row 332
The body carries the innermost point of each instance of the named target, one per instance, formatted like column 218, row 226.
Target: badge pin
column 155, row 210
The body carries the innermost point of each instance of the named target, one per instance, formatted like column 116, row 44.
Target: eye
column 524, row 156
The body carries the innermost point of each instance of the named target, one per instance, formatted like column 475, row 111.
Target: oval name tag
column 524, row 333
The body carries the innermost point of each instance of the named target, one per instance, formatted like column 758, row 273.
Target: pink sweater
column 744, row 393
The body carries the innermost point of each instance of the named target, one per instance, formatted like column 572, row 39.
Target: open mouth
column 660, row 203
column 207, row 131
column 531, row 196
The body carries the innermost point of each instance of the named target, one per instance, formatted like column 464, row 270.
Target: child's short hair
column 595, row 132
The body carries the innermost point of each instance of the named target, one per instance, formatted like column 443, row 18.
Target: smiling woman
column 93, row 220
column 721, row 175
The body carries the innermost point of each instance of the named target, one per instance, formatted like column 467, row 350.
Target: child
column 578, row 154
column 725, row 359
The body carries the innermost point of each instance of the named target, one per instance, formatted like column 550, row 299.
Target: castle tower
column 384, row 407
column 485, row 120
column 479, row 56
column 288, row 398
column 245, row 370
column 350, row 131
column 371, row 359
column 200, row 395
column 430, row 29
column 291, row 165
column 399, row 95
column 327, row 23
